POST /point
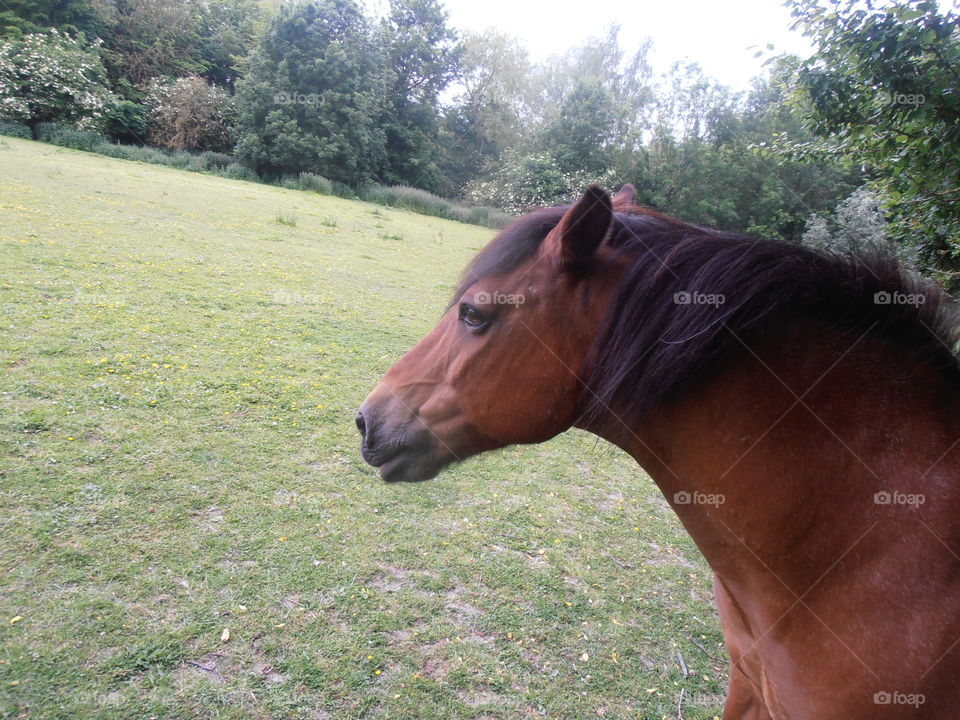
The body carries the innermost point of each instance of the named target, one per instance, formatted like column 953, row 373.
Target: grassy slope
column 180, row 372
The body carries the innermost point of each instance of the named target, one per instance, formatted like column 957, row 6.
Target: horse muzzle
column 398, row 443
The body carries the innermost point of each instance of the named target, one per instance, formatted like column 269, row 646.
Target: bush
column 315, row 183
column 126, row 121
column 68, row 136
column 179, row 159
column 51, row 76
column 483, row 216
column 15, row 129
column 526, row 181
column 426, row 203
column 189, row 114
column 197, row 164
column 236, row 171
column 343, row 191
column 215, row 160
column 408, row 198
column 133, row 152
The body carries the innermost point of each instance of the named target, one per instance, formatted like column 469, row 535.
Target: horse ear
column 625, row 199
column 585, row 226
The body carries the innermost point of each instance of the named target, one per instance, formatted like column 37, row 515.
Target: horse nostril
column 361, row 425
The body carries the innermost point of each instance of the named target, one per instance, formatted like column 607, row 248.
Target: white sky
column 714, row 33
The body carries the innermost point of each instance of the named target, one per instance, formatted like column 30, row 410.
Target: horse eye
column 471, row 317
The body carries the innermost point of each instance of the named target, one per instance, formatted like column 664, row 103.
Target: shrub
column 51, row 76
column 315, row 183
column 189, row 114
column 179, row 159
column 483, row 216
column 15, row 129
column 236, row 171
column 408, row 198
column 133, row 152
column 525, row 181
column 68, row 136
column 126, row 121
column 215, row 160
column 197, row 164
column 426, row 203
column 343, row 191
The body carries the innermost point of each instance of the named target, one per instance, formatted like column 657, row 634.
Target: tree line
column 857, row 144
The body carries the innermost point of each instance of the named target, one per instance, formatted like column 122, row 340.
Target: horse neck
column 781, row 454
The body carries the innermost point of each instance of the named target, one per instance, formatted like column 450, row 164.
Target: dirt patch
column 269, row 675
column 537, row 562
column 479, row 638
column 393, row 579
column 209, row 520
column 480, row 697
column 436, row 667
column 456, row 606
column 614, row 502
column 212, row 667
column 291, row 601
column 659, row 557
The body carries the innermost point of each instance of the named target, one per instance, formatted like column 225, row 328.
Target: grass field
column 188, row 530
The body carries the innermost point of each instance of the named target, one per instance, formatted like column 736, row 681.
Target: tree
column 700, row 161
column 881, row 91
column 489, row 113
column 189, row 114
column 226, row 32
column 53, row 77
column 145, row 39
column 496, row 90
column 422, row 57
column 20, row 17
column 603, row 63
column 312, row 98
column 580, row 135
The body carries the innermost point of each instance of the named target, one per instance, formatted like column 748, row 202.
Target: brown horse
column 797, row 409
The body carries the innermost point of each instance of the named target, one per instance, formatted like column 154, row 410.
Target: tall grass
column 426, row 203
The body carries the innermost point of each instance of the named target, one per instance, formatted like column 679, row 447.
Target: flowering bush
column 189, row 114
column 52, row 77
column 526, row 181
column 860, row 225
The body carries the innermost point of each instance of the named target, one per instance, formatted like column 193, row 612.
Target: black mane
column 651, row 347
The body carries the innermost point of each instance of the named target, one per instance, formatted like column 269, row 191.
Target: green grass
column 179, row 373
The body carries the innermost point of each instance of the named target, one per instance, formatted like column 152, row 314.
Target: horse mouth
column 410, row 470
column 405, row 463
